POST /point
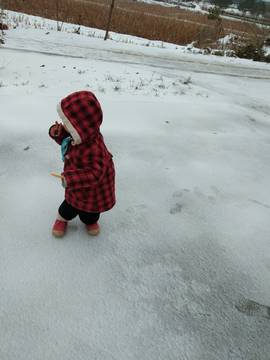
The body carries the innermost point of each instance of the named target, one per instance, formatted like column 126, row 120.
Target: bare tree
column 62, row 7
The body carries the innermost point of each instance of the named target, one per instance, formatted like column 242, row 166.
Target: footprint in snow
column 180, row 193
column 250, row 118
column 252, row 308
column 176, row 209
column 197, row 192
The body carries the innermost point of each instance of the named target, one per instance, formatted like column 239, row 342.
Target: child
column 88, row 176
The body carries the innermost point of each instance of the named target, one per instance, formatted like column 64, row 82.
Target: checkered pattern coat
column 88, row 165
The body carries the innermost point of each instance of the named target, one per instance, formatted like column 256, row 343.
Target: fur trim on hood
column 82, row 115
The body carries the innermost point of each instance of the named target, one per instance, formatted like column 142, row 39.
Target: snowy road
column 144, row 53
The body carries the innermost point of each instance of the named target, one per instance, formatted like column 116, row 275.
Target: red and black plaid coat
column 88, row 166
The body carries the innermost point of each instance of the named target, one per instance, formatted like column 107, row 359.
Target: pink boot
column 93, row 229
column 59, row 228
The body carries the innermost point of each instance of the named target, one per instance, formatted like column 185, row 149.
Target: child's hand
column 57, row 129
column 64, row 182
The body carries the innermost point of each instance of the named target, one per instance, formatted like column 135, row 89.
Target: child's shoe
column 93, row 229
column 59, row 228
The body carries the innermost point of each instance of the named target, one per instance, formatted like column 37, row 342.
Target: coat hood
column 82, row 115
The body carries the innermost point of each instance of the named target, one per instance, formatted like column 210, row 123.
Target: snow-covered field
column 181, row 268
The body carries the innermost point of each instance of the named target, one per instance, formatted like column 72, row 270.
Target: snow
column 181, row 268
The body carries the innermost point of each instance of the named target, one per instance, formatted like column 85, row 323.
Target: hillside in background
column 179, row 26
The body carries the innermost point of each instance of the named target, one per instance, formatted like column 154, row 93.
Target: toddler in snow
column 88, row 176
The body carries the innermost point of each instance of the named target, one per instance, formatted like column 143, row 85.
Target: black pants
column 69, row 212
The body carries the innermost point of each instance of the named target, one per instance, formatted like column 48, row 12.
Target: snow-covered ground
column 181, row 268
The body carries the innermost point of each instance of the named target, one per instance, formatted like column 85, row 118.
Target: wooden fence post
column 108, row 26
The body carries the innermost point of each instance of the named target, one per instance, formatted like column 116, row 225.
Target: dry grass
column 153, row 22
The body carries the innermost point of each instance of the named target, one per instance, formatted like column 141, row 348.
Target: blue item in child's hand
column 64, row 146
